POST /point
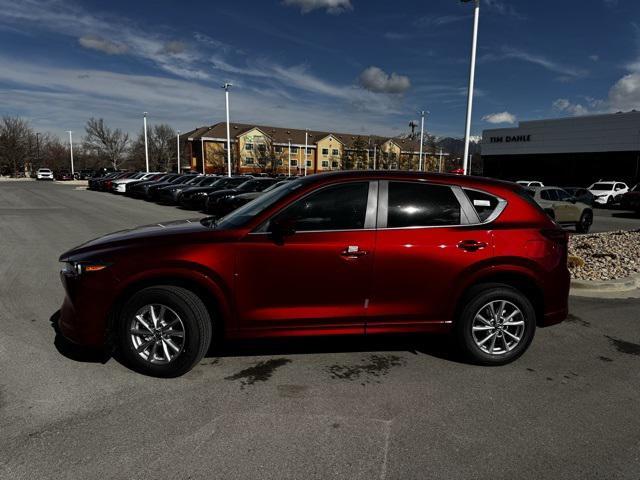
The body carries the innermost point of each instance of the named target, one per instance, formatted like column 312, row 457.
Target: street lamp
column 146, row 145
column 178, row 149
column 226, row 94
column 306, row 141
column 38, row 149
column 289, row 157
column 472, row 74
column 71, row 150
column 422, row 114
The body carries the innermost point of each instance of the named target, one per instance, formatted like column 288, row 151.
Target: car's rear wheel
column 164, row 331
column 496, row 325
column 586, row 220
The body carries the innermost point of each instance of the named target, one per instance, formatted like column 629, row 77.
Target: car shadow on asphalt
column 75, row 352
column 435, row 345
column 626, row 214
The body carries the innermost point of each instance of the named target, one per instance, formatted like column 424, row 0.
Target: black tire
column 473, row 304
column 195, row 320
column 584, row 225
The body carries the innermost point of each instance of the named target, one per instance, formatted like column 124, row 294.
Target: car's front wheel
column 496, row 325
column 586, row 220
column 164, row 331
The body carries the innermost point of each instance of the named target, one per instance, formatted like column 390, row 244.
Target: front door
column 316, row 279
column 424, row 248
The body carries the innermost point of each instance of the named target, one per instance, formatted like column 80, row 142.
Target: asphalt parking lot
column 370, row 408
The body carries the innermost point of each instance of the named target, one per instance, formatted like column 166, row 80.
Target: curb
column 618, row 285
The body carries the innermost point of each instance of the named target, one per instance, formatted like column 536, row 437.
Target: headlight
column 77, row 268
column 200, row 194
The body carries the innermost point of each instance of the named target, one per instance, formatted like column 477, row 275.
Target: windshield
column 602, row 186
column 243, row 215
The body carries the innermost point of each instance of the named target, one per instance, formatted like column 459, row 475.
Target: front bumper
column 85, row 309
column 601, row 200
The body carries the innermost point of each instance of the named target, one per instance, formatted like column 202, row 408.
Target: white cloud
column 334, row 7
column 94, row 42
column 625, row 93
column 594, row 58
column 502, row 117
column 504, row 8
column 565, row 106
column 174, row 47
column 377, row 80
column 439, row 20
column 567, row 72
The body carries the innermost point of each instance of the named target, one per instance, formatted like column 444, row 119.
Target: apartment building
column 277, row 150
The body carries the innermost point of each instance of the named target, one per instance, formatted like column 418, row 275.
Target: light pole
column 472, row 74
column 421, row 139
column 71, row 150
column 178, row 150
column 306, row 141
column 226, row 95
column 146, row 145
column 38, row 149
column 204, row 170
column 374, row 155
column 289, row 157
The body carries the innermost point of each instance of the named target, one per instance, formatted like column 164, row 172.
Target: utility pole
column 472, row 74
column 226, row 95
column 178, row 150
column 71, row 151
column 146, row 145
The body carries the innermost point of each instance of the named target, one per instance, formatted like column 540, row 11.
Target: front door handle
column 471, row 245
column 353, row 251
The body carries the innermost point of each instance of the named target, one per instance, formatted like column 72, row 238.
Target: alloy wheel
column 498, row 327
column 157, row 334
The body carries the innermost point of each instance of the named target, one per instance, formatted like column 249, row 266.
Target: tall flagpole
column 178, row 149
column 146, row 145
column 472, row 74
column 226, row 95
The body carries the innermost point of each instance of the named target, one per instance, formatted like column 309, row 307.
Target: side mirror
column 282, row 228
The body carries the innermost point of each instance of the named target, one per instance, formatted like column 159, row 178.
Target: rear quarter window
column 483, row 203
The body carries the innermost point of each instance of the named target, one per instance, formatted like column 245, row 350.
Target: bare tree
column 15, row 136
column 161, row 140
column 108, row 144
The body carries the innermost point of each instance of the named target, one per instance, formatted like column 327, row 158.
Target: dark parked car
column 85, row 174
column 139, row 190
column 214, row 202
column 195, row 197
column 346, row 253
column 170, row 194
column 152, row 190
column 105, row 186
column 581, row 194
column 63, row 175
column 631, row 199
column 95, row 182
column 231, row 203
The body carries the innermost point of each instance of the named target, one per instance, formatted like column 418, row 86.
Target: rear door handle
column 471, row 245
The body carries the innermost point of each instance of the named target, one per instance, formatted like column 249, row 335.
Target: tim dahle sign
column 510, row 139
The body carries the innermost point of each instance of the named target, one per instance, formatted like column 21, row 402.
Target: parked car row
column 212, row 194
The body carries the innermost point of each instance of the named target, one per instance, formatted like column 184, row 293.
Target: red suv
column 351, row 253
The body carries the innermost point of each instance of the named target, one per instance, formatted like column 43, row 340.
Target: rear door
column 428, row 237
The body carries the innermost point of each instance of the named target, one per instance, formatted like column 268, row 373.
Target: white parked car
column 120, row 186
column 607, row 193
column 44, row 174
column 530, row 183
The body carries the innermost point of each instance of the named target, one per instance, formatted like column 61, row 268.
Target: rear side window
column 550, row 195
column 421, row 205
column 483, row 203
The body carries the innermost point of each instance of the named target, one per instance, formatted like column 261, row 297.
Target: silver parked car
column 563, row 207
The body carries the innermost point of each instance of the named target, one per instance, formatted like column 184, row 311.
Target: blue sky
column 352, row 65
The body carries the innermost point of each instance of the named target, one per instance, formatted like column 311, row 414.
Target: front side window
column 563, row 196
column 549, row 195
column 421, row 205
column 339, row 207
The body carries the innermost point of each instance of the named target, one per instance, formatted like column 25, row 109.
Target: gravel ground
column 605, row 256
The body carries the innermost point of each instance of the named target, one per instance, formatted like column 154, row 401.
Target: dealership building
column 566, row 151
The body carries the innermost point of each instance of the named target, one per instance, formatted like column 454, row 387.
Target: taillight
column 556, row 235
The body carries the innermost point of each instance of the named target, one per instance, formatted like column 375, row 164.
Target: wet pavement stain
column 625, row 347
column 260, row 372
column 376, row 367
column 575, row 319
column 292, row 391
